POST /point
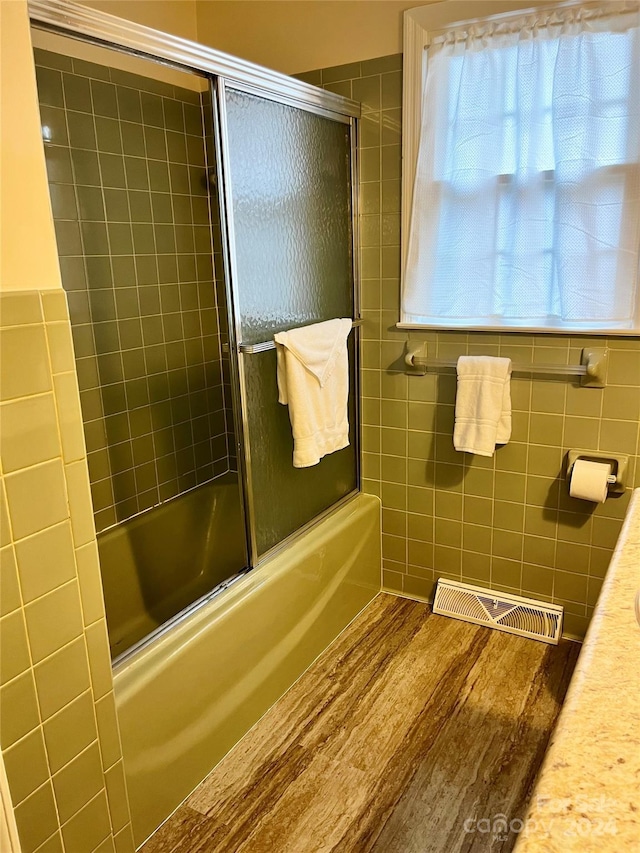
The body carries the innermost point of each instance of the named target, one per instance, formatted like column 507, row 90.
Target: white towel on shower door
column 483, row 404
column 313, row 380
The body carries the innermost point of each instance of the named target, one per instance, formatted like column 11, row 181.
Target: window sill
column 508, row 330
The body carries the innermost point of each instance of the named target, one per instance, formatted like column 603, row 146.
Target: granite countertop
column 587, row 796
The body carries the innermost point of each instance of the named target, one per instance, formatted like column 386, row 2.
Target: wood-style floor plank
column 407, row 727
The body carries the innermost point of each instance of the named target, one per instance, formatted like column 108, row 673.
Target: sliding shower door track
column 122, row 659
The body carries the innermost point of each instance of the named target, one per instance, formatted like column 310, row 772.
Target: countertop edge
column 587, row 794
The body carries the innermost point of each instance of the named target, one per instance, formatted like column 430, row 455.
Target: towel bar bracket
column 416, row 358
column 596, row 361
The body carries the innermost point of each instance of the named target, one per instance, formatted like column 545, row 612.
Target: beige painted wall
column 170, row 16
column 115, row 59
column 28, row 256
column 303, row 34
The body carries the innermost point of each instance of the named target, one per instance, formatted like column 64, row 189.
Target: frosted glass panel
column 290, row 182
column 291, row 193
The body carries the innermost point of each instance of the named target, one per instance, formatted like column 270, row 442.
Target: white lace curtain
column 527, row 192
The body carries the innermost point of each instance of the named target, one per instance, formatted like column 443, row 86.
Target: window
column 526, row 197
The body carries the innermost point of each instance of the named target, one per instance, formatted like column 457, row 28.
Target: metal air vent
column 511, row 613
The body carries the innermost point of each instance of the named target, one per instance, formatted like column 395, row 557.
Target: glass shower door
column 130, row 164
column 289, row 207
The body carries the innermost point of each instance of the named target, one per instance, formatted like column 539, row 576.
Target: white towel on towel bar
column 483, row 404
column 313, row 380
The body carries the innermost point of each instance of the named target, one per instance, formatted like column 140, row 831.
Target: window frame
column 421, row 25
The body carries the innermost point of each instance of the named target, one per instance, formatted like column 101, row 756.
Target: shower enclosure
column 201, row 205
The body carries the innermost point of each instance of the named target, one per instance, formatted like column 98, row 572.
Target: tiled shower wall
column 505, row 522
column 58, row 728
column 128, row 176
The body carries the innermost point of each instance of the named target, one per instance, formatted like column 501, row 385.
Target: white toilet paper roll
column 589, row 480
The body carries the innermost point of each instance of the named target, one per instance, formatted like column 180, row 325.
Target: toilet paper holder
column 618, row 461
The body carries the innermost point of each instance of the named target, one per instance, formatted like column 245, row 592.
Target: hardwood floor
column 407, row 727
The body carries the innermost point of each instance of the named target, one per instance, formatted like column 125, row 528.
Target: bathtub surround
column 405, row 729
column 506, row 522
column 129, row 182
column 58, row 730
column 54, row 813
column 316, row 586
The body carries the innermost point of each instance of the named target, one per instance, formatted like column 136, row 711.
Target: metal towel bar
column 593, row 368
column 263, row 346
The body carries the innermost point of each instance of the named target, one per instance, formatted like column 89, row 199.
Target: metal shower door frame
column 225, row 71
column 237, row 351
column 83, row 22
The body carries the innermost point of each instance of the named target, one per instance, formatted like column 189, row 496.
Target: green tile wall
column 128, row 167
column 59, row 734
column 505, row 522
